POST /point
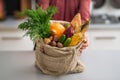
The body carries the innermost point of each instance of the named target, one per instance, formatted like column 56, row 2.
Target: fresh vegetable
column 54, row 38
column 53, row 43
column 66, row 25
column 76, row 22
column 37, row 24
column 84, row 27
column 62, row 38
column 60, row 45
column 51, row 38
column 69, row 31
column 67, row 42
column 47, row 40
column 76, row 38
column 57, row 29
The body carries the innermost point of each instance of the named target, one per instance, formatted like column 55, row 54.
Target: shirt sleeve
column 43, row 3
column 84, row 9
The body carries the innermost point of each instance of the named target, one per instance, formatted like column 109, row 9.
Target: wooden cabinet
column 2, row 15
column 14, row 8
column 25, row 4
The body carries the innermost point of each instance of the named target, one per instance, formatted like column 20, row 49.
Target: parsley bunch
column 37, row 24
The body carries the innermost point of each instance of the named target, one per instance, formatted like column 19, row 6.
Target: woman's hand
column 85, row 43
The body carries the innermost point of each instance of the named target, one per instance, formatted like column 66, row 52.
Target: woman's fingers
column 85, row 44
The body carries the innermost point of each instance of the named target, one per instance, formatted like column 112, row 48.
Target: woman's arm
column 43, row 3
column 84, row 10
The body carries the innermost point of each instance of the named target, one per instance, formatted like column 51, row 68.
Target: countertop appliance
column 106, row 12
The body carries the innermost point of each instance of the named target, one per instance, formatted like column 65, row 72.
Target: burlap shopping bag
column 57, row 61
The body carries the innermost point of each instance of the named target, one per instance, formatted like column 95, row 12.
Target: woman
column 67, row 9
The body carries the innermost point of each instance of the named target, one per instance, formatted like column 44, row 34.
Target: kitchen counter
column 99, row 65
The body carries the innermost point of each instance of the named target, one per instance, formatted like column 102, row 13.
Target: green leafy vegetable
column 37, row 24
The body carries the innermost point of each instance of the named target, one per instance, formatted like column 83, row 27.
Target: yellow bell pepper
column 76, row 38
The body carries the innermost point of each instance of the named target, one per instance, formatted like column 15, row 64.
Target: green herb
column 37, row 24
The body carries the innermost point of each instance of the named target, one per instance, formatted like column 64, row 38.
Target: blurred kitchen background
column 103, row 33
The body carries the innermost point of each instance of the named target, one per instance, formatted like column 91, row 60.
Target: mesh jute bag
column 57, row 61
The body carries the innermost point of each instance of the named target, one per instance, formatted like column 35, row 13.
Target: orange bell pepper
column 57, row 29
